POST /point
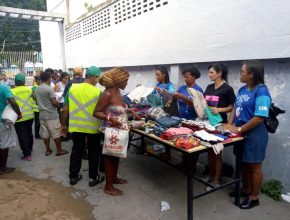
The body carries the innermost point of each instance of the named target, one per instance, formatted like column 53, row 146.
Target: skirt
column 255, row 144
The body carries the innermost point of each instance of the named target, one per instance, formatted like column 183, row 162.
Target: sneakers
column 206, row 179
column 73, row 181
column 28, row 158
column 94, row 182
column 214, row 185
column 286, row 197
column 248, row 203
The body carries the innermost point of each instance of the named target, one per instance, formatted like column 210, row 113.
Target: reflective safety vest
column 34, row 104
column 23, row 97
column 82, row 102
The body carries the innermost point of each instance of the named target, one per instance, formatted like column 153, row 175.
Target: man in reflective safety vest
column 79, row 105
column 23, row 127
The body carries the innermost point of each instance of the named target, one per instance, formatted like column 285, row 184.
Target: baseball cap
column 20, row 78
column 93, row 71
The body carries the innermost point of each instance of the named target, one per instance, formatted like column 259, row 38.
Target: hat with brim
column 93, row 71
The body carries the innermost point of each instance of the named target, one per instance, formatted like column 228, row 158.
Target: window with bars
column 114, row 14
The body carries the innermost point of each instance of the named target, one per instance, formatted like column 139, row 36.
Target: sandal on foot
column 113, row 193
column 120, row 181
column 63, row 152
column 47, row 153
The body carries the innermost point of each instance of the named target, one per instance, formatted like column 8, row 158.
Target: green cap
column 93, row 71
column 20, row 78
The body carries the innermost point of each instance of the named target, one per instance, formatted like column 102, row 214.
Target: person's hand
column 19, row 117
column 115, row 122
column 214, row 110
column 135, row 116
column 178, row 95
column 64, row 130
column 158, row 89
column 233, row 129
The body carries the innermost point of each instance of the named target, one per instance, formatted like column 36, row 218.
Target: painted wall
column 187, row 31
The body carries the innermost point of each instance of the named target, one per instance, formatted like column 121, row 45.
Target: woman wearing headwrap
column 113, row 111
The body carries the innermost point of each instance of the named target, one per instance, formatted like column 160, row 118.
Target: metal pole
column 189, row 169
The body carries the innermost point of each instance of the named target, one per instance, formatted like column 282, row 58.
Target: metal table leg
column 189, row 170
column 238, row 179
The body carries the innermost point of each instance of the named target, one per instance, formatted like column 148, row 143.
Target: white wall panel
column 185, row 31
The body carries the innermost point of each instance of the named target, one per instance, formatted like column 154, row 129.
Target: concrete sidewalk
column 150, row 182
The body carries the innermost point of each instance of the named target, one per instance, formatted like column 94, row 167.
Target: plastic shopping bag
column 116, row 142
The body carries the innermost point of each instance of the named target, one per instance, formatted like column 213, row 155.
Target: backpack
column 271, row 122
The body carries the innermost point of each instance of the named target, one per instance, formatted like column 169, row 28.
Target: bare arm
column 103, row 103
column 184, row 99
column 215, row 110
column 56, row 88
column 54, row 101
column 254, row 122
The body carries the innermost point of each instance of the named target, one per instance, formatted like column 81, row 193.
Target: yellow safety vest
column 82, row 102
column 23, row 97
column 34, row 104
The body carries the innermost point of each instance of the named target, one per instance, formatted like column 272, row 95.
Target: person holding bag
column 220, row 98
column 113, row 111
column 250, row 110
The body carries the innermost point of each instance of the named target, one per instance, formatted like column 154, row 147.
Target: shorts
column 50, row 128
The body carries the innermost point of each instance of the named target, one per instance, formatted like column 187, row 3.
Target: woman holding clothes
column 250, row 109
column 185, row 103
column 162, row 77
column 220, row 98
column 113, row 111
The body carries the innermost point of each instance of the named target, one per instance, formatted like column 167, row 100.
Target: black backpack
column 272, row 122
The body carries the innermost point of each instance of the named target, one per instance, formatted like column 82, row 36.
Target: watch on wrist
column 239, row 129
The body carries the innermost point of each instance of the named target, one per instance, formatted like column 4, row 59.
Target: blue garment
column 5, row 94
column 186, row 111
column 250, row 103
column 167, row 86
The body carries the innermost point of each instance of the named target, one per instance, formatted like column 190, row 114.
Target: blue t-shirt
column 250, row 103
column 167, row 86
column 5, row 94
column 186, row 111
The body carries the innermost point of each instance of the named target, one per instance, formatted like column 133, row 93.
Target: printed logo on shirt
column 212, row 100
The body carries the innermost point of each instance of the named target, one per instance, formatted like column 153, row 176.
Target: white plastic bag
column 116, row 142
column 9, row 114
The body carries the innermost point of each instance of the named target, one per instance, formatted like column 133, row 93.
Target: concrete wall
column 199, row 32
column 186, row 31
column 277, row 75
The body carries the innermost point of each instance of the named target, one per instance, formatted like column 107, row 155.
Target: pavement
column 150, row 182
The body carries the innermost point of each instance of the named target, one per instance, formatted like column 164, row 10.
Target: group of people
column 86, row 112
column 247, row 111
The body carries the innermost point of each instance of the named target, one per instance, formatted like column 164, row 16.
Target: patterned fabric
column 199, row 102
column 156, row 113
column 170, row 104
column 120, row 113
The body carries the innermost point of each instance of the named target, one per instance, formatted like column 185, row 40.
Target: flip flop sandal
column 47, row 153
column 61, row 153
column 114, row 193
